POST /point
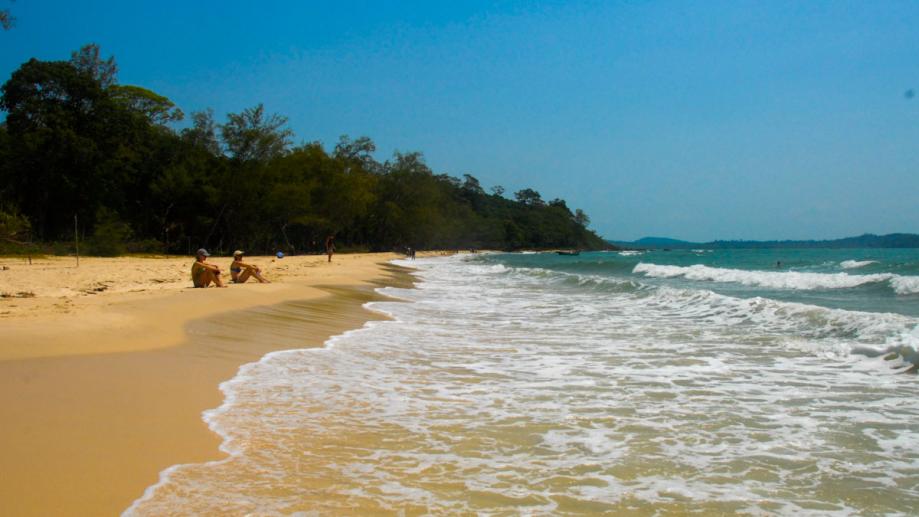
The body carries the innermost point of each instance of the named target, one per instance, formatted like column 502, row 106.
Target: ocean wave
column 853, row 264
column 527, row 366
column 630, row 253
column 905, row 284
column 838, row 329
column 821, row 330
column 772, row 279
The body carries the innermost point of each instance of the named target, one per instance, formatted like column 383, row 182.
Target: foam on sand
column 527, row 389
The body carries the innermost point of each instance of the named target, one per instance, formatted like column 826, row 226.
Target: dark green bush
column 145, row 246
column 110, row 236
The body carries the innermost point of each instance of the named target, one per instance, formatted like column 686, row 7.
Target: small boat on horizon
column 569, row 252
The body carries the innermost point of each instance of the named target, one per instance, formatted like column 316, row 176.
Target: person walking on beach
column 240, row 271
column 330, row 246
column 202, row 273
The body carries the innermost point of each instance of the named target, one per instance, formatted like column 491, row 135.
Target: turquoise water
column 662, row 383
column 873, row 280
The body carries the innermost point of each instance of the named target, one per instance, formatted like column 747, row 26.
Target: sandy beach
column 105, row 368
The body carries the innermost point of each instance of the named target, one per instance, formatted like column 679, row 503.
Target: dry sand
column 105, row 371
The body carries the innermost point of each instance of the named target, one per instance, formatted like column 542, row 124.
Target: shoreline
column 52, row 308
column 89, row 429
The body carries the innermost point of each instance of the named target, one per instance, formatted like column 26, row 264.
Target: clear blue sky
column 694, row 120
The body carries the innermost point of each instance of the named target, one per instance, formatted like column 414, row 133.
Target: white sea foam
column 768, row 279
column 509, row 390
column 905, row 284
column 630, row 253
column 853, row 264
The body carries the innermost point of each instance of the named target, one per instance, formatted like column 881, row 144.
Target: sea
column 700, row 382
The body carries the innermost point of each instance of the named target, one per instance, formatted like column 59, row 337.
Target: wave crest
column 778, row 279
column 905, row 284
column 853, row 264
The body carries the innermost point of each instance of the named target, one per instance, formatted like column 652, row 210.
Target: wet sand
column 92, row 416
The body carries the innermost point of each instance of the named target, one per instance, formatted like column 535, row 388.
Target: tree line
column 78, row 146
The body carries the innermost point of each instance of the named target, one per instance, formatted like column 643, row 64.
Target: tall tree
column 52, row 121
column 529, row 197
column 158, row 109
column 76, row 142
column 203, row 132
column 89, row 60
column 253, row 136
column 360, row 149
column 472, row 185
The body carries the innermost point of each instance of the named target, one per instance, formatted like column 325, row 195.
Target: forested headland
column 82, row 154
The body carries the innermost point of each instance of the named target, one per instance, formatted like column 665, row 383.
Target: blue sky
column 694, row 120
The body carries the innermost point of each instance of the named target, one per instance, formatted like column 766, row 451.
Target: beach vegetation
column 76, row 143
column 110, row 235
column 15, row 231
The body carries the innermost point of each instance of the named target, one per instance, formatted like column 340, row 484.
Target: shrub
column 109, row 236
column 145, row 246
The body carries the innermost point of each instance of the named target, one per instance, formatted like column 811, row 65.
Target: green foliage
column 88, row 60
column 110, row 236
column 529, row 197
column 145, row 246
column 158, row 109
column 77, row 143
column 203, row 132
column 252, row 136
column 14, row 228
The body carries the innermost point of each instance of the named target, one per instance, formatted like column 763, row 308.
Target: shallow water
column 537, row 384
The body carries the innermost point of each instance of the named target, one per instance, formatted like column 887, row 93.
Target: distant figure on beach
column 330, row 246
column 202, row 273
column 412, row 250
column 240, row 271
column 778, row 264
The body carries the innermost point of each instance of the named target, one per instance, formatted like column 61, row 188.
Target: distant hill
column 868, row 240
column 660, row 242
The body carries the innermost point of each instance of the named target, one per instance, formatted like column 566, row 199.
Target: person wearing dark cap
column 240, row 271
column 202, row 273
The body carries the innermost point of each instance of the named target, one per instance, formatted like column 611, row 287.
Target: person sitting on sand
column 202, row 273
column 240, row 271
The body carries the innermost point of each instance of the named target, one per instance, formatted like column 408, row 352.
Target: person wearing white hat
column 240, row 271
column 202, row 273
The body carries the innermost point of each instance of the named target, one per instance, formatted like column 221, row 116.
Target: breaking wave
column 853, row 264
column 779, row 279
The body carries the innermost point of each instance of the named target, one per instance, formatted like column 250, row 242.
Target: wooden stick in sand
column 76, row 239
